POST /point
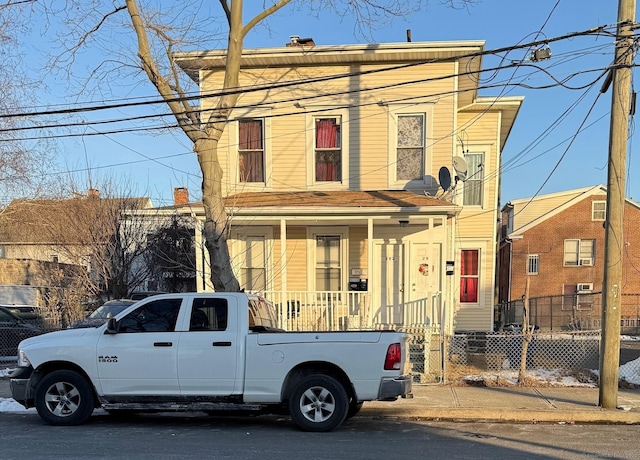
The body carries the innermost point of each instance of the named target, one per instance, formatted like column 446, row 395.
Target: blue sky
column 537, row 157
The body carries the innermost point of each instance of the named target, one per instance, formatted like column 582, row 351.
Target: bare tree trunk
column 216, row 219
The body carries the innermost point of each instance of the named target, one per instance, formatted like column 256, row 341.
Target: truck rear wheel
column 318, row 403
column 64, row 398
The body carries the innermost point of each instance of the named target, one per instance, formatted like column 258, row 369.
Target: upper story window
column 328, row 149
column 251, row 150
column 469, row 275
column 533, row 264
column 474, row 183
column 410, row 148
column 579, row 252
column 598, row 210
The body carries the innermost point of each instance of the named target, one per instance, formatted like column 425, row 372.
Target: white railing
column 350, row 310
column 321, row 310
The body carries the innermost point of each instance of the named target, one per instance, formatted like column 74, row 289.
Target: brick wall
column 547, row 240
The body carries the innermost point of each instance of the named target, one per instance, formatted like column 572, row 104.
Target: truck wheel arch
column 316, row 367
column 46, row 368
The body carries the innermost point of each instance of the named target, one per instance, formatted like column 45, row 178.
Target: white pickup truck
column 208, row 352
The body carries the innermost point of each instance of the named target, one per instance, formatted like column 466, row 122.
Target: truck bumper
column 391, row 388
column 20, row 389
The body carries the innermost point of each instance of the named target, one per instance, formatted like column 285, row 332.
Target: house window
column 469, row 275
column 410, row 147
column 579, row 252
column 252, row 263
column 473, row 185
column 251, row 150
column 328, row 263
column 328, row 149
column 533, row 264
column 598, row 210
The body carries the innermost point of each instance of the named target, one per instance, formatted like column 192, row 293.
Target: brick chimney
column 297, row 41
column 180, row 196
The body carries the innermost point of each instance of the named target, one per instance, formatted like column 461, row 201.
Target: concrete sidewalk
column 497, row 404
column 509, row 404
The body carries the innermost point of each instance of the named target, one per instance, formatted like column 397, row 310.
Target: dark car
column 139, row 295
column 13, row 329
column 101, row 314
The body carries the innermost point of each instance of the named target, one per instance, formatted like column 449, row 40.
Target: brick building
column 558, row 241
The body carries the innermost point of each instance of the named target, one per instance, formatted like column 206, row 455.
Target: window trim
column 530, row 259
column 483, row 154
column 425, row 109
column 594, row 210
column 238, row 238
column 479, row 276
column 233, row 133
column 580, row 261
column 312, row 233
column 310, row 137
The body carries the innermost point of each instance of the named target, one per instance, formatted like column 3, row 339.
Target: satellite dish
column 445, row 178
column 460, row 166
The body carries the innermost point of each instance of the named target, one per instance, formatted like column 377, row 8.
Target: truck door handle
column 221, row 344
column 162, row 344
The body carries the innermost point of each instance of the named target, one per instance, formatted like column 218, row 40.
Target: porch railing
column 321, row 310
column 351, row 310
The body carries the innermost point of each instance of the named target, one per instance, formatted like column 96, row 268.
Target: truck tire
column 318, row 403
column 354, row 408
column 64, row 398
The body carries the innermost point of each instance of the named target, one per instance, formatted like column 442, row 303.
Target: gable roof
column 529, row 212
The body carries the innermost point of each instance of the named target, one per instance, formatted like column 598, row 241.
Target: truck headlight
column 23, row 360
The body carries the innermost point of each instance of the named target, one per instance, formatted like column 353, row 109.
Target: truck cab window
column 157, row 316
column 209, row 314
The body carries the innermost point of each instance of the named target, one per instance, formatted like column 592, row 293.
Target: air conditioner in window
column 584, row 287
column 586, row 262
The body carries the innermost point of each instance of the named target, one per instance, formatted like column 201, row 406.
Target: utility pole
column 614, row 239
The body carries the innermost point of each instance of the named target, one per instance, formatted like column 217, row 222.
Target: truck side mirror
column 111, row 326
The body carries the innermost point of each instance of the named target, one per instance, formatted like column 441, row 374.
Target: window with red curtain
column 328, row 150
column 251, row 150
column 469, row 275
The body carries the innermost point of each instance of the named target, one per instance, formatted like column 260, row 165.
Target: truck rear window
column 261, row 314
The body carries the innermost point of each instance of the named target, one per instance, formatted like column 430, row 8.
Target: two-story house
column 557, row 242
column 362, row 181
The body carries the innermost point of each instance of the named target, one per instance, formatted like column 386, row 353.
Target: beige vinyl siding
column 357, row 249
column 297, row 262
column 477, row 317
column 368, row 128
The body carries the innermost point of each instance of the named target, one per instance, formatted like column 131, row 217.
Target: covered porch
column 345, row 260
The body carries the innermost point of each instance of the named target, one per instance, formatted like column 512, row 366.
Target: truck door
column 141, row 358
column 208, row 353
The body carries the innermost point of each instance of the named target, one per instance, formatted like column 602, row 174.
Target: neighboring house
column 81, row 236
column 557, row 241
column 338, row 163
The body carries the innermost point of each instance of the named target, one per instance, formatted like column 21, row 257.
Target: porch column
column 368, row 316
column 283, row 260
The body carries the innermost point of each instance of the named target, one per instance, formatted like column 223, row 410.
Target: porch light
column 404, row 223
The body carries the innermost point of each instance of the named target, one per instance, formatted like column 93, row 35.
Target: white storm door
column 424, row 283
column 389, row 280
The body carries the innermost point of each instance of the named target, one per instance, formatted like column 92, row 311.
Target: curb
column 595, row 416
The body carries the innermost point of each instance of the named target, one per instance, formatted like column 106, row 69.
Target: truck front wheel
column 64, row 398
column 318, row 403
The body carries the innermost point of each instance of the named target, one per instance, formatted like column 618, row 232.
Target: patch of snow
column 10, row 405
